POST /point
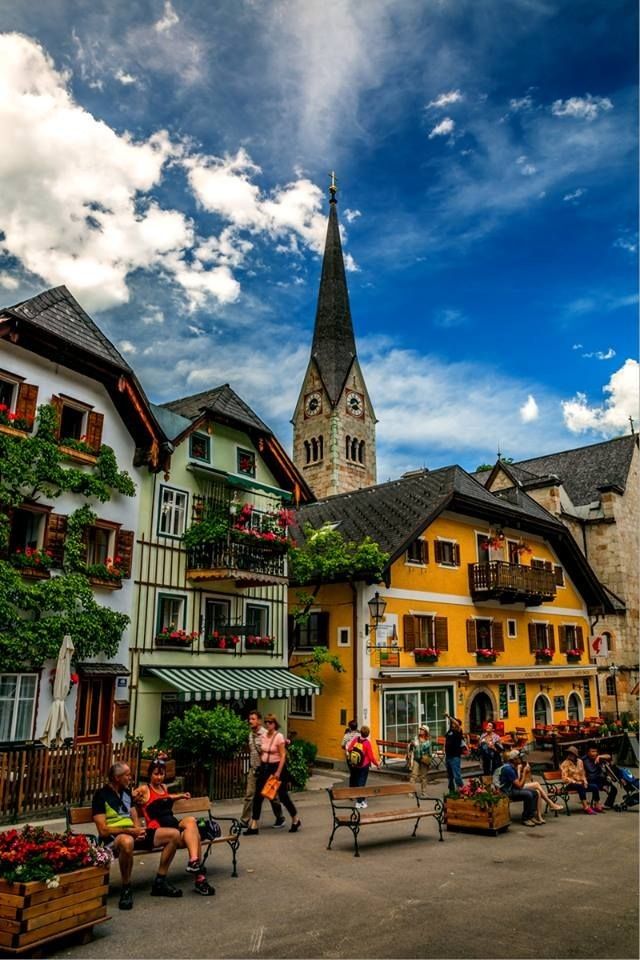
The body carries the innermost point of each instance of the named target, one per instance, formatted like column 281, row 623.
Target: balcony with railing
column 511, row 583
column 248, row 563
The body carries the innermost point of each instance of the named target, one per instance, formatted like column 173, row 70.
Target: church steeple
column 334, row 345
column 334, row 426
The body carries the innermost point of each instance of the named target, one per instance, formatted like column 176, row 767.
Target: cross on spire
column 333, row 187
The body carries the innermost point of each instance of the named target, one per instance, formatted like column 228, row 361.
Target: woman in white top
column 272, row 760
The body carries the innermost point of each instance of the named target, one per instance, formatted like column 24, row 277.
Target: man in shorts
column 119, row 829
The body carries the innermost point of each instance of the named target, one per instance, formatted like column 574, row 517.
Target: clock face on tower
column 312, row 404
column 355, row 404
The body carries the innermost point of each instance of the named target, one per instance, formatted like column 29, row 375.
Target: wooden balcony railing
column 247, row 563
column 511, row 583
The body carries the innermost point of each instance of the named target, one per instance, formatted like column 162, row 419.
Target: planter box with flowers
column 545, row 655
column 256, row 644
column 222, row 641
column 170, row 637
column 107, row 575
column 486, row 655
column 12, row 424
column 477, row 807
column 574, row 655
column 426, row 654
column 32, row 562
column 51, row 885
column 78, row 450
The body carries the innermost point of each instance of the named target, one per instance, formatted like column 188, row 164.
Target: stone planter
column 466, row 815
column 143, row 770
column 32, row 915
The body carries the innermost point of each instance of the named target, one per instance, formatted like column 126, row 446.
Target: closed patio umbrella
column 57, row 727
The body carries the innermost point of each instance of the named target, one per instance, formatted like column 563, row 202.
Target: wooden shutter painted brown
column 124, row 550
column 472, row 643
column 532, row 638
column 558, row 574
column 57, row 404
column 437, row 551
column 548, row 565
column 579, row 638
column 497, row 635
column 551, row 640
column 54, row 538
column 409, row 632
column 562, row 638
column 26, row 402
column 426, row 550
column 456, row 554
column 94, row 430
column 441, row 632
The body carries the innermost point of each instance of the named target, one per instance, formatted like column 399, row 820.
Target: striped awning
column 227, row 683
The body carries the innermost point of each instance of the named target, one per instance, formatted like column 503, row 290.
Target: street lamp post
column 377, row 606
column 613, row 670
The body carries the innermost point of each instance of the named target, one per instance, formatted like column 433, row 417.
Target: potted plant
column 221, row 641
column 254, row 642
column 108, row 574
column 32, row 561
column 477, row 806
column 172, row 637
column 544, row 655
column 574, row 655
column 60, row 879
column 486, row 655
column 426, row 654
column 13, row 422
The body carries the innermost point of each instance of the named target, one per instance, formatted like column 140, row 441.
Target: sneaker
column 203, row 888
column 193, row 866
column 364, row 805
column 250, row 832
column 295, row 826
column 358, row 805
column 529, row 823
column 162, row 888
column 279, row 824
column 598, row 808
column 126, row 899
column 589, row 811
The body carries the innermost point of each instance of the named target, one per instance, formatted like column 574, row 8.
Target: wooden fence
column 36, row 780
column 225, row 781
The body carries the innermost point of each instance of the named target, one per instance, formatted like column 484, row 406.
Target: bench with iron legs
column 558, row 790
column 346, row 814
column 181, row 808
column 392, row 750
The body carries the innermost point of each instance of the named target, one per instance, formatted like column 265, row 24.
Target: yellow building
column 468, row 571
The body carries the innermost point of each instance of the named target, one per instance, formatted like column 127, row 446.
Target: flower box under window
column 426, row 654
column 175, row 638
column 257, row 643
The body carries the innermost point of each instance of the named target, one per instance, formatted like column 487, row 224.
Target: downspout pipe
column 354, row 649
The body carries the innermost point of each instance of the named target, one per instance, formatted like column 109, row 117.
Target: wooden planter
column 78, row 455
column 571, row 659
column 425, row 659
column 31, row 914
column 33, row 573
column 105, row 584
column 143, row 770
column 13, row 431
column 466, row 815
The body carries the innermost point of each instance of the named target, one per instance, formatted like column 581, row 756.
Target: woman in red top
column 358, row 774
column 155, row 804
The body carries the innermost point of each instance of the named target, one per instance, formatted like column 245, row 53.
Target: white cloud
column 168, row 19
column 628, row 242
column 443, row 128
column 607, row 354
column 153, row 315
column 126, row 79
column 448, row 318
column 351, row 215
column 445, row 99
column 127, row 347
column 581, row 108
column 7, row 282
column 568, row 197
column 526, row 169
column 529, row 410
column 577, row 346
column 519, row 104
column 612, row 416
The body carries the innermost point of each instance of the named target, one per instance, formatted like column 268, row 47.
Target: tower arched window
column 314, row 449
column 307, row 452
column 348, row 447
column 320, row 448
column 361, row 452
column 354, row 449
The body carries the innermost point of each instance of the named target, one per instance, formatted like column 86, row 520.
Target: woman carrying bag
column 273, row 757
column 421, row 754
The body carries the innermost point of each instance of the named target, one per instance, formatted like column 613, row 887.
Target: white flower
column 53, row 882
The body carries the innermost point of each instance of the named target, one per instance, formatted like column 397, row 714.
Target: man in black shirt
column 454, row 744
column 596, row 778
column 119, row 828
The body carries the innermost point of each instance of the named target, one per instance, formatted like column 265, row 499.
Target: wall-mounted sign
column 122, row 681
column 559, row 703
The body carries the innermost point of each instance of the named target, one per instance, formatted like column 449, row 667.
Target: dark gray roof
column 57, row 312
column 583, row 470
column 334, row 345
column 172, row 423
column 222, row 401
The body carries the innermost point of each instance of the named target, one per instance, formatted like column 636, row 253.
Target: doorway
column 480, row 712
column 574, row 707
column 542, row 711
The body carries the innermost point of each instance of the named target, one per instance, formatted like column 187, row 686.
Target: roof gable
column 222, row 403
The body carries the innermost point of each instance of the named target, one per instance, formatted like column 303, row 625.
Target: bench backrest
column 77, row 815
column 384, row 790
column 551, row 775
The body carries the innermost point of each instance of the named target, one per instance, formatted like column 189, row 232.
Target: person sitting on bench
column 119, row 829
column 506, row 777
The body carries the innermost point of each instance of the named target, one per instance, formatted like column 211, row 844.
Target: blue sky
column 168, row 162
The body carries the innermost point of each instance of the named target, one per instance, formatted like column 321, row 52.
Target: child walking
column 360, row 757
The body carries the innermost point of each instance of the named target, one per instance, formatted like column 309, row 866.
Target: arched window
column 348, row 446
column 354, row 449
column 320, row 448
column 307, row 452
column 314, row 449
column 361, row 452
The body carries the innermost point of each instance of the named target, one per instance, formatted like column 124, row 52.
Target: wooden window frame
column 339, row 632
column 424, row 552
column 257, row 605
column 244, row 452
column 311, row 715
column 510, row 635
column 185, row 494
column 16, row 699
column 104, row 734
column 170, row 596
column 301, row 628
column 207, row 439
column 455, row 552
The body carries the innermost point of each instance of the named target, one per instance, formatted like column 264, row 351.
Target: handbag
column 271, row 787
column 208, row 828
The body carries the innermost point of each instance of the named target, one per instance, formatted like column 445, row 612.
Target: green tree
column 203, row 736
column 326, row 556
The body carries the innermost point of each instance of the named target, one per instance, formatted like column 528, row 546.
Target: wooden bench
column 181, row 808
column 392, row 750
column 345, row 814
column 556, row 789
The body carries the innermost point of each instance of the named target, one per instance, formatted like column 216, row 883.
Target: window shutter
column 94, row 430
column 124, row 550
column 441, row 632
column 56, row 403
column 323, row 628
column 532, row 638
column 54, row 538
column 456, row 554
column 437, row 551
column 548, row 565
column 472, row 643
column 562, row 638
column 558, row 574
column 293, row 632
column 497, row 635
column 579, row 638
column 409, row 632
column 26, row 402
column 425, row 547
column 551, row 641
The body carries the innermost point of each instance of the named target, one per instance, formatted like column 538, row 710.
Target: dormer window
column 246, row 463
column 200, row 447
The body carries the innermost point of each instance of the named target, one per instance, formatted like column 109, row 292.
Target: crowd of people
column 118, row 810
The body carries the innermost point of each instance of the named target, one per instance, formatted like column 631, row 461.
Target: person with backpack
column 360, row 758
column 349, row 734
column 421, row 755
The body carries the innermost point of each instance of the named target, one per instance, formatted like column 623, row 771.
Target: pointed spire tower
column 334, row 426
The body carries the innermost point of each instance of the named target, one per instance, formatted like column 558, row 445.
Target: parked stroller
column 628, row 785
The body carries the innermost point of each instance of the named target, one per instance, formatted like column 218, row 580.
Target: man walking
column 256, row 731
